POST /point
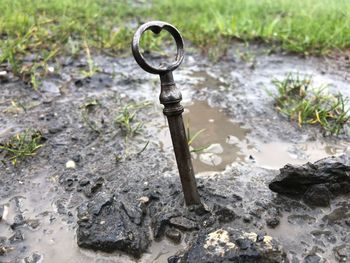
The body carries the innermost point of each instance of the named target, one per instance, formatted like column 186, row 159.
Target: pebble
column 143, row 199
column 84, row 182
column 17, row 237
column 34, row 258
column 272, row 222
column 70, row 164
column 174, row 235
column 183, row 223
column 3, row 76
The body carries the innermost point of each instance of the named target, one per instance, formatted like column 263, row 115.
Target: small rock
column 312, row 259
column 338, row 215
column 247, row 219
column 211, row 159
column 183, row 223
column 174, row 259
column 84, row 182
column 174, row 235
column 18, row 221
column 70, row 164
column 17, row 237
column 272, row 222
column 233, row 245
column 143, row 199
column 118, row 232
column 342, row 252
column 4, row 249
column 93, row 187
column 33, row 223
column 77, row 158
column 301, row 219
column 50, row 87
column 50, row 69
column 34, row 258
column 316, row 183
column 243, row 243
column 224, row 214
column 4, row 77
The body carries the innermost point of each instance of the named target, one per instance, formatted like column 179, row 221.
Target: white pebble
column 70, row 164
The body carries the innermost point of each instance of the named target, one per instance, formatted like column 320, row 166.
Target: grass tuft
column 126, row 119
column 298, row 100
column 130, row 126
column 191, row 138
column 22, row 145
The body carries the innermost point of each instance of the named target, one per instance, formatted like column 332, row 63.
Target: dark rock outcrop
column 315, row 183
column 109, row 224
column 234, row 245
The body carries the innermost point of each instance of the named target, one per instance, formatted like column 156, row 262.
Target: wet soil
column 245, row 141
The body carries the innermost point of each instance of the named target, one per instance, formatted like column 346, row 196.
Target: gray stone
column 18, row 221
column 301, row 219
column 50, row 87
column 108, row 224
column 338, row 215
column 224, row 214
column 174, row 259
column 16, row 237
column 84, row 182
column 174, row 235
column 234, row 245
column 4, row 249
column 93, row 187
column 34, row 258
column 316, row 183
column 342, row 252
column 312, row 259
column 183, row 223
column 33, row 223
column 272, row 222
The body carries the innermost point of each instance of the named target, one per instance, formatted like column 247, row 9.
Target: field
column 87, row 167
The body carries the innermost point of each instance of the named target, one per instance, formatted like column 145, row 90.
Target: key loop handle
column 156, row 27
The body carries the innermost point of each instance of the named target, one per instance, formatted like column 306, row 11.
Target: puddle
column 275, row 155
column 222, row 139
column 50, row 236
column 223, row 142
column 208, row 80
column 294, row 229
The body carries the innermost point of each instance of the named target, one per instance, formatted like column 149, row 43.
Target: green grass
column 312, row 26
column 191, row 138
column 21, row 145
column 87, row 108
column 127, row 120
column 298, row 100
column 47, row 28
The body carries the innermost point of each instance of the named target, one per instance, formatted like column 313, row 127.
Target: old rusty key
column 170, row 97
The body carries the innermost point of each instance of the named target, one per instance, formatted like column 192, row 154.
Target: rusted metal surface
column 170, row 97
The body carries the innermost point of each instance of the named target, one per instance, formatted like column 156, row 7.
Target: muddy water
column 276, row 154
column 301, row 226
column 53, row 238
column 223, row 141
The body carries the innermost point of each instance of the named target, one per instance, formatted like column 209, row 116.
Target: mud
column 40, row 196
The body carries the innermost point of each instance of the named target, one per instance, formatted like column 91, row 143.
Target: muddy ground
column 86, row 160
